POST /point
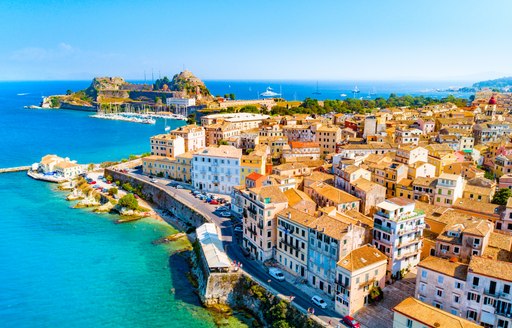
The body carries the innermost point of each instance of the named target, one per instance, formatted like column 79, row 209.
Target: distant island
column 503, row 84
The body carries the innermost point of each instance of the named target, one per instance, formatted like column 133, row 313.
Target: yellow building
column 183, row 170
column 253, row 162
column 276, row 144
column 157, row 165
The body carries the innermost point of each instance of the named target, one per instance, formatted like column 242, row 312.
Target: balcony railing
column 260, row 225
column 410, row 229
column 386, row 215
column 251, row 230
column 408, row 242
column 381, row 227
column 289, row 244
column 407, row 254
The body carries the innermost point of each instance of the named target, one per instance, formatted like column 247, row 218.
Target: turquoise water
column 63, row 267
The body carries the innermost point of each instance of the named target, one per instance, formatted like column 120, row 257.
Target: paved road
column 233, row 250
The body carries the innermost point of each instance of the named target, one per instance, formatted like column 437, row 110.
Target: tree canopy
column 501, row 196
column 129, row 201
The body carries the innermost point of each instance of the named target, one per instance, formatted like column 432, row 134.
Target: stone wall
column 66, row 105
column 163, row 199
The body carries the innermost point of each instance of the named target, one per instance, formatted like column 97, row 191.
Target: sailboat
column 167, row 128
column 317, row 92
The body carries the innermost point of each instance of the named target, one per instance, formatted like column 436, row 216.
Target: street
column 233, row 250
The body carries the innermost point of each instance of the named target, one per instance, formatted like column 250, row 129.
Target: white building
column 216, row 169
column 181, row 102
column 193, row 135
column 449, row 188
column 398, row 233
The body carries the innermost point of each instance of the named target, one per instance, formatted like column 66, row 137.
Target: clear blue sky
column 216, row 39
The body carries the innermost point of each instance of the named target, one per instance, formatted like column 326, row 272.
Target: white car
column 276, row 274
column 319, row 301
column 153, row 181
column 238, row 229
column 225, row 214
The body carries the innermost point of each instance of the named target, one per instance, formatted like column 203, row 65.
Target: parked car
column 151, row 177
column 319, row 301
column 214, row 202
column 246, row 252
column 101, row 177
column 154, row 181
column 223, row 208
column 92, row 182
column 179, row 187
column 238, row 229
column 351, row 322
column 109, row 182
column 225, row 214
column 276, row 274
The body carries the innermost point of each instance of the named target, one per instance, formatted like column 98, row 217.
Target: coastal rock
column 87, row 202
column 105, row 208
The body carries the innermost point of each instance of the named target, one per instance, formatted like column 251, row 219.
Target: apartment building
column 370, row 194
column 330, row 239
column 328, row 136
column 356, row 274
column 303, row 133
column 167, row 145
column 297, row 151
column 388, row 175
column 346, row 176
column 216, row 169
column 410, row 154
column 193, row 135
column 449, row 188
column 424, row 189
column 491, row 131
column 215, row 133
column 404, row 136
column 260, row 208
column 292, row 240
column 254, row 162
column 398, row 233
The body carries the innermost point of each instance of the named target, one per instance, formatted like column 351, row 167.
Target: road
column 234, row 252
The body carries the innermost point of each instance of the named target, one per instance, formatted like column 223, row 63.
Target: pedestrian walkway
column 380, row 315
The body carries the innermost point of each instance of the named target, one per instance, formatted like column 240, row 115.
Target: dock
column 15, row 169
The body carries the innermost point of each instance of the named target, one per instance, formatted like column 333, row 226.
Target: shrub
column 129, row 201
column 127, row 186
column 112, row 191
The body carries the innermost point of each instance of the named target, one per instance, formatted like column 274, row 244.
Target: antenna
column 152, row 77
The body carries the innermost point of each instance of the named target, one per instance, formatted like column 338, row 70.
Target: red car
column 92, row 182
column 214, row 202
column 351, row 322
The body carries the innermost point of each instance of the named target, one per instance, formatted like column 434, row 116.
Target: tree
column 129, row 201
column 232, row 96
column 489, row 175
column 278, row 311
column 69, row 92
column 54, row 102
column 113, row 191
column 90, row 167
column 501, row 196
column 191, row 119
column 223, row 142
column 127, row 186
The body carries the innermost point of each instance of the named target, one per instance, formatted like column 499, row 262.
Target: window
column 408, row 324
column 476, row 281
column 454, row 312
column 474, row 297
column 456, row 250
column 437, row 305
column 423, row 273
column 440, row 279
column 456, row 298
column 471, row 315
column 506, row 289
column 458, row 285
column 439, row 292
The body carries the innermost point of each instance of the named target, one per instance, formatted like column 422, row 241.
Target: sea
column 64, row 267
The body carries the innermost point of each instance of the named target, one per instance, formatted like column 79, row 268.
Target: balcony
column 251, row 230
column 381, row 227
column 412, row 215
column 386, row 215
column 260, row 224
column 289, row 244
column 408, row 242
column 367, row 283
column 407, row 254
column 410, row 229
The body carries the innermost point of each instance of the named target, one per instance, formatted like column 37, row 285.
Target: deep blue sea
column 61, row 267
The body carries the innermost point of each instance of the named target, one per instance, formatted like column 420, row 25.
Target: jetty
column 15, row 169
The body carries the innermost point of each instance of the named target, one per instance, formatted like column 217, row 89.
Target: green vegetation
column 495, row 84
column 127, row 186
column 243, row 109
column 501, row 196
column 159, row 83
column 54, row 102
column 230, row 96
column 376, row 294
column 129, row 201
column 90, row 167
column 191, row 119
column 223, row 142
column 113, row 191
column 361, row 106
column 489, row 175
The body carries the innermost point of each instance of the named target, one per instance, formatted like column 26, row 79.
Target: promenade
column 301, row 293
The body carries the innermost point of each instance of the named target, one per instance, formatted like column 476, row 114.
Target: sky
column 463, row 40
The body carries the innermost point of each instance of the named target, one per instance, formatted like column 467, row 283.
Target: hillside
column 187, row 84
column 501, row 83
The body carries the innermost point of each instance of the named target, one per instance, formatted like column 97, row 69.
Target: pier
column 15, row 169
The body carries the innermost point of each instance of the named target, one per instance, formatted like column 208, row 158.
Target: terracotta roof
column 332, row 227
column 358, row 216
column 300, row 144
column 478, row 190
column 366, row 185
column 297, row 216
column 254, row 176
column 500, row 241
column 333, row 194
column 424, row 182
column 400, row 201
column 274, row 194
column 491, row 268
column 446, row 267
column 362, row 257
column 431, row 316
column 295, row 196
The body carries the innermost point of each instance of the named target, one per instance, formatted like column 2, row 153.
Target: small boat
column 317, row 92
column 343, row 95
column 356, row 90
column 23, row 94
column 269, row 93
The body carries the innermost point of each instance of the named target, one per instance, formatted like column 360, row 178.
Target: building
column 239, row 121
column 167, row 145
column 297, row 151
column 410, row 154
column 388, row 175
column 303, row 133
column 328, row 137
column 326, row 195
column 157, row 165
column 404, row 136
column 68, row 169
column 216, row 169
column 413, row 313
column 254, row 162
column 356, row 274
column 260, row 208
column 370, row 194
column 276, row 144
column 193, row 135
column 354, row 150
column 398, row 233
column 449, row 188
column 345, row 177
column 212, row 251
column 292, row 240
column 330, row 239
column 215, row 133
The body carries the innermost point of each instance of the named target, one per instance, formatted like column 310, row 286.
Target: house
column 327, row 195
column 298, row 150
column 356, row 274
column 193, row 135
column 167, row 145
column 449, row 188
column 370, row 194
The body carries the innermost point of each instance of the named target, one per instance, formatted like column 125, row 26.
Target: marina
column 138, row 118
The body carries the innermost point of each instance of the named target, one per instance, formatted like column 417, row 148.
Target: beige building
column 328, row 136
column 326, row 195
column 292, row 240
column 412, row 313
column 193, row 135
column 260, row 207
column 167, row 145
column 357, row 273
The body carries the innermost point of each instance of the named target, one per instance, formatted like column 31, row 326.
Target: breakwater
column 15, row 169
